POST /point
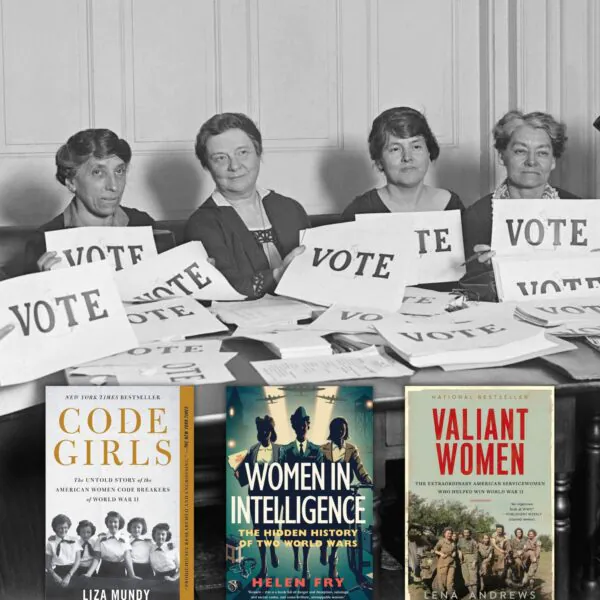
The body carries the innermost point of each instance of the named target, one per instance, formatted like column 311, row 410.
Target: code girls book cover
column 119, row 493
column 299, row 471
column 480, row 493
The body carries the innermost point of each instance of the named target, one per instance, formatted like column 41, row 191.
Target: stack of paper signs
column 565, row 317
column 301, row 342
column 485, row 341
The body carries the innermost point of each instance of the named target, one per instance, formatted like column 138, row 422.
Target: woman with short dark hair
column 402, row 146
column 252, row 233
column 93, row 166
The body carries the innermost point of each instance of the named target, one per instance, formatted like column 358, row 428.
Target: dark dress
column 37, row 245
column 237, row 253
column 477, row 228
column 371, row 202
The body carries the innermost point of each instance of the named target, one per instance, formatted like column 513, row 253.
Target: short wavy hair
column 59, row 520
column 139, row 520
column 512, row 120
column 335, row 424
column 80, row 147
column 220, row 123
column 401, row 122
column 266, row 423
column 161, row 527
column 112, row 515
column 86, row 523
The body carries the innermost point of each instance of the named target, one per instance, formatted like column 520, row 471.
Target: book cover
column 119, row 493
column 299, row 508
column 480, row 492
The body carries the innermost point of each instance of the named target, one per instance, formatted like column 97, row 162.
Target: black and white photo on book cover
column 119, row 493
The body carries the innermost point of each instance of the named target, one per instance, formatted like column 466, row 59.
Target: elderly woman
column 528, row 146
column 251, row 233
column 402, row 146
column 92, row 165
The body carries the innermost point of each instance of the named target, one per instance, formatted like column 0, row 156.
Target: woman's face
column 99, row 184
column 62, row 530
column 136, row 529
column 528, row 157
column 405, row 161
column 233, row 163
column 85, row 533
column 112, row 524
column 160, row 536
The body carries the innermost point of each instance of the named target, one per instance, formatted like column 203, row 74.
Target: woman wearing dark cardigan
column 93, row 166
column 528, row 146
column 251, row 233
column 402, row 146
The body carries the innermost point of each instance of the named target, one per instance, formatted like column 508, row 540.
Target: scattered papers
column 122, row 247
column 349, row 261
column 183, row 271
column 293, row 344
column 339, row 318
column 519, row 279
column 264, row 312
column 367, row 363
column 61, row 318
column 153, row 354
column 438, row 254
column 235, row 460
column 425, row 303
column 549, row 313
column 542, row 226
column 195, row 371
column 171, row 318
column 479, row 341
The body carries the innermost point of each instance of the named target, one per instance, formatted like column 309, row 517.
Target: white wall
column 312, row 73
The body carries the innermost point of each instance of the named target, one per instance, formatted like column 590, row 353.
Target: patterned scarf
column 73, row 218
column 502, row 192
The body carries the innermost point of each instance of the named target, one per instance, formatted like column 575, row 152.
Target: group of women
column 252, row 233
column 112, row 553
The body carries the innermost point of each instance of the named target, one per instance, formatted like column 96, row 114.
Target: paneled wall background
column 312, row 73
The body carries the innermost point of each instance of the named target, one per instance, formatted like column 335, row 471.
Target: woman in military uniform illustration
column 263, row 453
column 339, row 449
column 468, row 556
column 446, row 551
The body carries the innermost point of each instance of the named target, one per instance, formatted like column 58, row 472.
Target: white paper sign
column 182, row 271
column 518, row 279
column 349, row 319
column 439, row 251
column 61, row 318
column 532, row 226
column 349, row 261
column 425, row 303
column 363, row 364
column 171, row 318
column 122, row 247
column 155, row 354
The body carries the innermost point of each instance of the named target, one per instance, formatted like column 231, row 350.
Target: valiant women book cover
column 299, row 508
column 119, row 493
column 480, row 493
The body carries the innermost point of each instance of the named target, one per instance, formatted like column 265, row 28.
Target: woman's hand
column 66, row 580
column 484, row 253
column 48, row 260
column 279, row 271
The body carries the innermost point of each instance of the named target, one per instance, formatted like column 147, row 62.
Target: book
column 299, row 492
column 479, row 492
column 119, row 492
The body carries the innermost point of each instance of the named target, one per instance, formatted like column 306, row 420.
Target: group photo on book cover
column 299, row 492
column 119, row 493
column 479, row 493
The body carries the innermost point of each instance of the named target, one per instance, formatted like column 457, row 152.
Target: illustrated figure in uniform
column 446, row 551
column 62, row 552
column 263, row 453
column 298, row 451
column 531, row 557
column 338, row 450
column 468, row 556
